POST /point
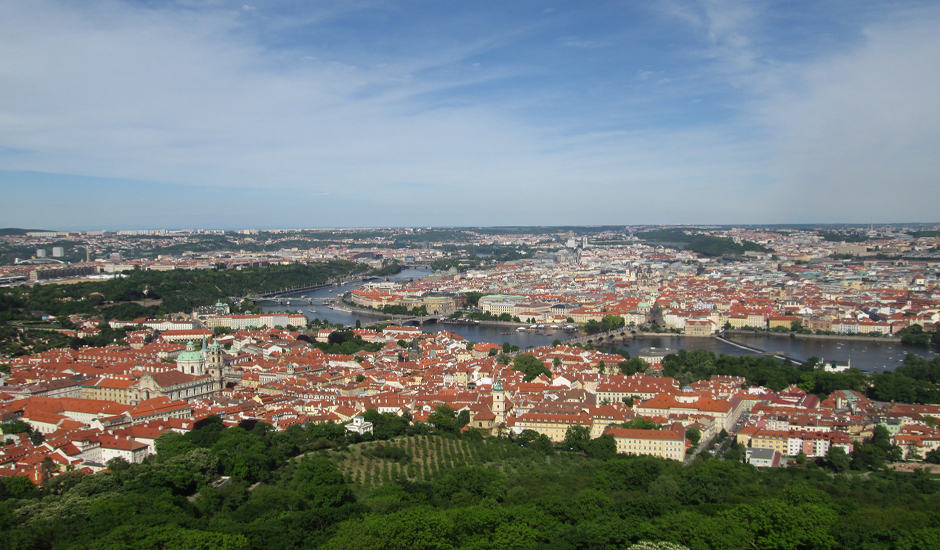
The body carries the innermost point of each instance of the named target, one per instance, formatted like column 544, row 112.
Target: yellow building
column 659, row 443
column 108, row 389
column 770, row 439
column 698, row 328
column 737, row 321
column 553, row 426
column 782, row 321
column 500, row 303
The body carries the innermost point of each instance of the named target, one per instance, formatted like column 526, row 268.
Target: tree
column 632, row 366
column 117, row 464
column 543, row 445
column 18, row 487
column 534, row 440
column 384, row 425
column 693, row 434
column 244, row 454
column 933, row 457
column 657, row 545
column 16, row 427
column 641, row 423
column 473, row 298
column 170, row 536
column 603, row 447
column 612, row 322
column 443, row 418
column 914, row 335
column 463, row 418
column 881, row 437
column 320, row 484
column 576, row 438
column 526, row 437
column 530, row 365
column 875, row 451
column 837, row 459
column 171, row 444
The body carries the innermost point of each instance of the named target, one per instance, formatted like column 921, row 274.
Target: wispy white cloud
column 583, row 43
column 196, row 98
column 184, row 98
column 726, row 27
column 859, row 132
column 837, row 134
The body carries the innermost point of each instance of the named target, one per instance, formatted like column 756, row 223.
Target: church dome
column 190, row 355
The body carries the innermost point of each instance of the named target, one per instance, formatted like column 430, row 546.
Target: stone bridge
column 609, row 337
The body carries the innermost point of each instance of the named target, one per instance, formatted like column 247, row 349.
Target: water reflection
column 871, row 356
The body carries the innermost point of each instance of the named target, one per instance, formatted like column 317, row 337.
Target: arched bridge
column 416, row 320
column 618, row 335
column 607, row 337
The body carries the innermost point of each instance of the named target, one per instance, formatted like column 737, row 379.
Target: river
column 865, row 355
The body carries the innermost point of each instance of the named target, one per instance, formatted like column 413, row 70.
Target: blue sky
column 358, row 113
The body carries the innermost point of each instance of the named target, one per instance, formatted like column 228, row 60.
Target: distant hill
column 17, row 231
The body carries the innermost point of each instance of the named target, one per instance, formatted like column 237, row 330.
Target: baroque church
column 198, row 374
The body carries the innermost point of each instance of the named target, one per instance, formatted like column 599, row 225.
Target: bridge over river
column 628, row 333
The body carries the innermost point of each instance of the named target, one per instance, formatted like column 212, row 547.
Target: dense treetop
column 289, row 490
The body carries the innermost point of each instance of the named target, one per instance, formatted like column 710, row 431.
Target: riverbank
column 483, row 323
column 798, row 335
column 874, row 354
column 444, row 320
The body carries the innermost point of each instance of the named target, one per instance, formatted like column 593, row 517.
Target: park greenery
column 466, row 256
column 163, row 291
column 485, row 316
column 916, row 336
column 703, row 244
column 344, row 342
column 402, row 310
column 433, row 485
column 142, row 294
column 392, row 268
column 606, row 324
column 531, row 366
column 915, row 381
column 842, row 237
column 473, row 298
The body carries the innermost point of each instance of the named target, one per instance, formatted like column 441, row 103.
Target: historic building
column 198, row 374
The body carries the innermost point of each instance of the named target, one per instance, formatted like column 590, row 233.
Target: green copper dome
column 190, row 355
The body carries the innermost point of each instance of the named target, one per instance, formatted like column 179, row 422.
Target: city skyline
column 230, row 115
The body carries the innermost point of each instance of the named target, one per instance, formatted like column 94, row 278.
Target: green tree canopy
column 531, row 366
